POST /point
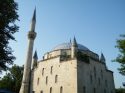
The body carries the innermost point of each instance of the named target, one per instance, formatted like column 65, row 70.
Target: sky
column 96, row 24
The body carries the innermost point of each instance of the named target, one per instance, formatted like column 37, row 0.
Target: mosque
column 69, row 68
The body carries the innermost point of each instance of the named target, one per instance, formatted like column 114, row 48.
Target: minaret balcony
column 31, row 35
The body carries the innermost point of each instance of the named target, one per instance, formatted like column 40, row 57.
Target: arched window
column 111, row 91
column 84, row 89
column 104, row 90
column 43, row 71
column 94, row 90
column 56, row 78
column 99, row 81
column 51, row 70
column 38, row 81
column 51, row 90
column 46, row 79
column 101, row 74
column 106, row 83
column 91, row 80
column 61, row 89
column 95, row 72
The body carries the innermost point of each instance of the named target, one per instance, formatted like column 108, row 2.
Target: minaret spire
column 74, row 42
column 25, row 87
column 35, row 59
column 34, row 15
column 102, row 58
column 33, row 22
column 35, row 55
column 70, row 41
column 74, row 48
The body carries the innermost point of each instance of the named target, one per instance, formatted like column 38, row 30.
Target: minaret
column 35, row 58
column 27, row 67
column 74, row 48
column 102, row 58
column 70, row 41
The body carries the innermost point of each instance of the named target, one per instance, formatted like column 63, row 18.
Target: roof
column 68, row 46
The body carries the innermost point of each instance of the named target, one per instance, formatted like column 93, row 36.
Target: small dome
column 68, row 46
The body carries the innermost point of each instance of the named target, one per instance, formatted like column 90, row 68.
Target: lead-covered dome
column 68, row 46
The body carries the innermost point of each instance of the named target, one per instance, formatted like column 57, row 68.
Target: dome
column 68, row 46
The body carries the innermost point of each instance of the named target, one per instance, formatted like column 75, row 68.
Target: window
column 41, row 91
column 43, row 71
column 101, row 74
column 91, row 79
column 38, row 81
column 56, row 78
column 111, row 91
column 99, row 80
column 61, row 89
column 51, row 70
column 51, row 90
column 106, row 83
column 104, row 90
column 46, row 79
column 94, row 90
column 84, row 89
column 95, row 72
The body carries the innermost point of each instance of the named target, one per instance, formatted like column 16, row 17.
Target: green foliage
column 82, row 57
column 6, row 82
column 120, row 90
column 121, row 57
column 12, row 79
column 65, row 57
column 8, row 16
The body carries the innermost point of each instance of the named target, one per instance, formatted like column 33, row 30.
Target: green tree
column 121, row 56
column 8, row 16
column 6, row 82
column 120, row 90
column 12, row 79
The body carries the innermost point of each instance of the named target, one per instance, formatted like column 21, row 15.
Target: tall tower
column 102, row 58
column 74, row 48
column 27, row 67
column 34, row 62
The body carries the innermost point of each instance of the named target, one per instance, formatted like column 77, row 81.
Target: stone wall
column 65, row 72
column 94, row 76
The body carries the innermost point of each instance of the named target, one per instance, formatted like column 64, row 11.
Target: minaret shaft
column 27, row 67
column 28, row 61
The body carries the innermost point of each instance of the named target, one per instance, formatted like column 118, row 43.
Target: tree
column 121, row 57
column 120, row 90
column 12, row 79
column 6, row 82
column 8, row 16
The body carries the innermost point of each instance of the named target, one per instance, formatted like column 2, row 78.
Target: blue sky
column 96, row 24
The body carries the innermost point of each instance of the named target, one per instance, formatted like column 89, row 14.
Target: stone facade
column 51, row 73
